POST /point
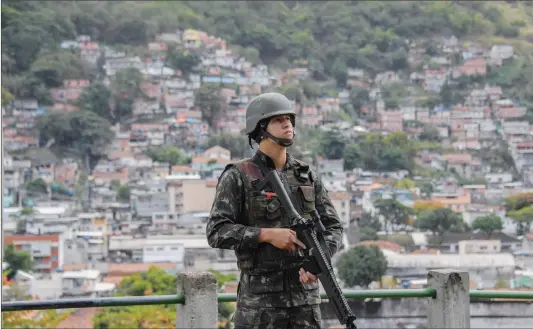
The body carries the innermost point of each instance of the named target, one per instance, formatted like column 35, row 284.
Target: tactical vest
column 260, row 210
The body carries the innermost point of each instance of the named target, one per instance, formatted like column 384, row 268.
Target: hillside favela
column 118, row 119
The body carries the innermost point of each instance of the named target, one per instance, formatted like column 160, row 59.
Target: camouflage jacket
column 269, row 276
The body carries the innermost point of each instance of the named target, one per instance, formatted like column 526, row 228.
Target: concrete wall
column 387, row 313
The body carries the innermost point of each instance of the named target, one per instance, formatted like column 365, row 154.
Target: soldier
column 274, row 291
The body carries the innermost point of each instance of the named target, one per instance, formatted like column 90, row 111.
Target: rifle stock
column 319, row 259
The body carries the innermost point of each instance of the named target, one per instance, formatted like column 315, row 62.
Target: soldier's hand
column 282, row 238
column 306, row 276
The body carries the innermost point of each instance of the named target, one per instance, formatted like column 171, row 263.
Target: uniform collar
column 269, row 163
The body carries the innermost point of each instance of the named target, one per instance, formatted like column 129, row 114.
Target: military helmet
column 266, row 106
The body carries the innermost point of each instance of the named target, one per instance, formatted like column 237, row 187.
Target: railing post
column 200, row 309
column 451, row 307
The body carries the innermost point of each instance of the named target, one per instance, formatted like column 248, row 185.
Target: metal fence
column 448, row 296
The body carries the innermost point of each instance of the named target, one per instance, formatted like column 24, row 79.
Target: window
column 174, row 248
column 160, row 248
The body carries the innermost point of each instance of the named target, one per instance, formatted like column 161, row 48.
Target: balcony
column 448, row 301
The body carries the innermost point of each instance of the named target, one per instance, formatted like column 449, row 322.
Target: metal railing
column 448, row 299
column 228, row 297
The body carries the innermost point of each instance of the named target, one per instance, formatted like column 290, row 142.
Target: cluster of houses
column 83, row 237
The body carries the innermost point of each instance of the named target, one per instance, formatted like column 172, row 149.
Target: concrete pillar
column 201, row 305
column 451, row 307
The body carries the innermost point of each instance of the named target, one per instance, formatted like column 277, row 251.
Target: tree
column 17, row 260
column 523, row 219
column 446, row 94
column 167, row 154
column 424, row 205
column 361, row 265
column 95, row 98
column 405, row 183
column 114, row 184
column 212, row 104
column 146, row 316
column 83, row 132
column 125, row 88
column 430, row 133
column 393, row 94
column 392, row 152
column 369, row 221
column 311, row 89
column 488, row 224
column 123, row 193
column 368, row 227
column 440, row 220
column 52, row 69
column 393, row 213
column 353, row 157
column 37, row 185
column 359, row 96
column 22, row 218
column 293, row 92
column 518, row 201
column 519, row 208
column 153, row 282
column 367, row 234
column 184, row 61
column 7, row 97
column 332, row 145
column 339, row 71
column 25, row 319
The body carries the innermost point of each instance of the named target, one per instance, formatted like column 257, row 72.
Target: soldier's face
column 281, row 127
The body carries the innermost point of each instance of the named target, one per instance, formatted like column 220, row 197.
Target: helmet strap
column 284, row 142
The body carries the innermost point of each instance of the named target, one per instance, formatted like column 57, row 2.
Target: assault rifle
column 318, row 258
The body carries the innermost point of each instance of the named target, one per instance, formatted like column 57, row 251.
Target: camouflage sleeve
column 223, row 230
column 328, row 216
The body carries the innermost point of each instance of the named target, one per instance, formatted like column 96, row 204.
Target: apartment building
column 44, row 250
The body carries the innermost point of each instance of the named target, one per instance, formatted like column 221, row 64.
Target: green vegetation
column 394, row 213
column 488, row 224
column 327, row 36
column 83, row 132
column 369, row 226
column 440, row 220
column 361, row 265
column 168, row 154
column 153, row 282
column 17, row 260
column 519, row 207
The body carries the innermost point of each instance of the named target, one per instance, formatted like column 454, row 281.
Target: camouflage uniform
column 269, row 294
